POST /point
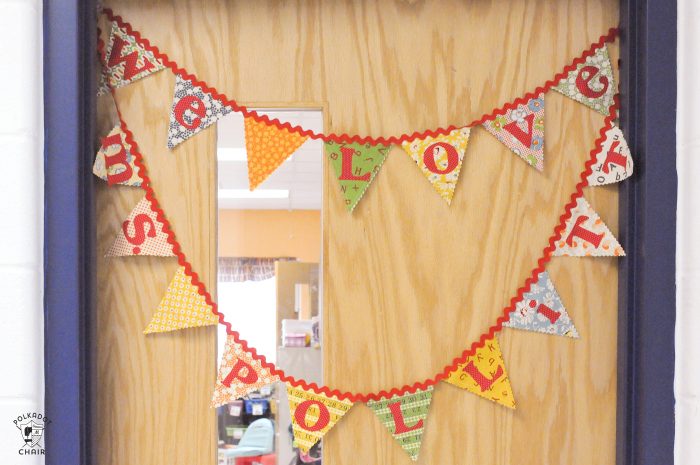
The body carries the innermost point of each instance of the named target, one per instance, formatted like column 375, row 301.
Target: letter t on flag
column 586, row 235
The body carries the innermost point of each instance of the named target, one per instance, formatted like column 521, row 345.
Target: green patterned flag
column 404, row 416
column 355, row 166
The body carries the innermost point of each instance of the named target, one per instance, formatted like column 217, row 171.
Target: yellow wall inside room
column 270, row 233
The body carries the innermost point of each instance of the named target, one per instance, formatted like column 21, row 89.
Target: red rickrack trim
column 505, row 316
column 346, row 138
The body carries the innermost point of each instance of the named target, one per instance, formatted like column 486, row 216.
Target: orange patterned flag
column 141, row 234
column 484, row 374
column 313, row 415
column 239, row 374
column 182, row 307
column 586, row 235
column 267, row 147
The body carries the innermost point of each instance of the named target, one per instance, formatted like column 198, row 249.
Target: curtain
column 239, row 269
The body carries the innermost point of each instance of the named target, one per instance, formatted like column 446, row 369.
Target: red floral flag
column 141, row 234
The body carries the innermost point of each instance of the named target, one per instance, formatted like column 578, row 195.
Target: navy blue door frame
column 647, row 229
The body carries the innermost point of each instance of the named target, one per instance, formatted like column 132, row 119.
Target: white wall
column 687, row 382
column 21, row 220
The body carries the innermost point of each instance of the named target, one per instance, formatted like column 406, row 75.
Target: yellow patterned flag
column 267, row 147
column 181, row 307
column 440, row 159
column 313, row 415
column 484, row 374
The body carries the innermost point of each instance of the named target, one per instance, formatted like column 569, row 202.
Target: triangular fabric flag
column 440, row 159
column 267, row 146
column 591, row 83
column 613, row 162
column 114, row 162
column 521, row 129
column 313, row 415
column 182, row 307
column 586, row 235
column 542, row 310
column 126, row 60
column 355, row 165
column 239, row 374
column 192, row 110
column 404, row 416
column 141, row 234
column 484, row 374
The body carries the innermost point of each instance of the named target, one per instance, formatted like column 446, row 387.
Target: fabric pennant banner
column 114, row 162
column 440, row 159
column 126, row 60
column 404, row 416
column 613, row 162
column 141, row 234
column 182, row 307
column 521, row 129
column 192, row 110
column 586, row 235
column 355, row 165
column 484, row 374
column 591, row 83
column 239, row 374
column 267, row 147
column 313, row 415
column 542, row 310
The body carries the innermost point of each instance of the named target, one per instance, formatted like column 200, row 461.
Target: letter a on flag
column 591, row 83
column 521, row 129
column 126, row 60
column 440, row 159
column 355, row 165
column 182, row 307
column 141, row 234
column 586, row 235
column 239, row 373
column 313, row 415
column 484, row 374
column 404, row 416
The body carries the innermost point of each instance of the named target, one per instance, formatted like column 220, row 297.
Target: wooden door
column 409, row 282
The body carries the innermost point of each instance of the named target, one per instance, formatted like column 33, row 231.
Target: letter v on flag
column 404, row 416
column 126, row 60
column 585, row 235
column 239, row 374
column 440, row 159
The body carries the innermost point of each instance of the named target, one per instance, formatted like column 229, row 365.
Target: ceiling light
column 256, row 194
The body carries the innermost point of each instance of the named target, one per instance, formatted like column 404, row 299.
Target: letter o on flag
column 324, row 416
column 430, row 153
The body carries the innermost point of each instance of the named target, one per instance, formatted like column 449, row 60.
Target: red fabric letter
column 432, row 150
column 194, row 104
column 583, row 83
column 614, row 157
column 483, row 382
column 129, row 60
column 395, row 409
column 250, row 375
column 346, row 173
column 583, row 233
column 549, row 313
column 525, row 138
column 324, row 416
column 117, row 159
column 140, row 222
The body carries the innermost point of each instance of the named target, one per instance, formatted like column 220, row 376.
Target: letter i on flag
column 114, row 162
column 313, row 415
column 355, row 165
column 586, row 235
column 141, row 234
column 591, row 83
column 182, row 307
column 193, row 110
column 404, row 416
column 484, row 374
column 267, row 147
column 542, row 310
column 521, row 129
column 440, row 159
column 239, row 374
column 126, row 60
